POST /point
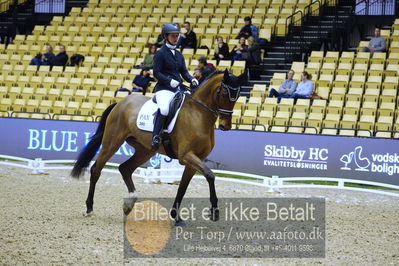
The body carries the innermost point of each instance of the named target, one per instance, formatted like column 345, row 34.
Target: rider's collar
column 172, row 47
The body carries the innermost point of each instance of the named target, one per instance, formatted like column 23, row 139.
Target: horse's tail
column 90, row 150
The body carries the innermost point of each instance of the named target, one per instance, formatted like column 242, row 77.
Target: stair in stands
column 313, row 32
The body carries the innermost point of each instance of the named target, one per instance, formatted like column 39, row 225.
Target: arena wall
column 262, row 153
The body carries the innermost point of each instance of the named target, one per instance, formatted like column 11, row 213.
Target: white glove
column 174, row 83
column 194, row 82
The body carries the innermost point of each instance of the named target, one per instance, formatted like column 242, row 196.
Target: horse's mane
column 210, row 76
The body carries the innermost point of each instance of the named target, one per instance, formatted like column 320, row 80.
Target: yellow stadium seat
column 265, row 117
column 278, row 129
column 314, row 120
column 318, row 106
column 18, row 105
column 349, row 121
column 296, row 130
column 331, row 120
column 270, row 104
column 371, row 95
column 384, row 123
column 366, row 122
column 254, row 103
column 362, row 58
column 249, row 117
column 386, row 109
column 369, row 108
column 331, row 57
column 388, row 95
column 328, row 131
column 286, row 104
column 378, row 58
column 298, row 119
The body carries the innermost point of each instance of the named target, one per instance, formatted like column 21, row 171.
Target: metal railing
column 375, row 4
column 293, row 23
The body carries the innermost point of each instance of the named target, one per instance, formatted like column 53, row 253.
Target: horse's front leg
column 194, row 162
column 185, row 180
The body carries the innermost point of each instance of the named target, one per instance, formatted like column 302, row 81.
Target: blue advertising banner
column 263, row 153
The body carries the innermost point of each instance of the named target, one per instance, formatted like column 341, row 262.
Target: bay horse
column 192, row 138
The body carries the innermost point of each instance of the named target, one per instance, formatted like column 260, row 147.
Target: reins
column 214, row 112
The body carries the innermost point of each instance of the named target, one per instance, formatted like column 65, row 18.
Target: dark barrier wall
column 263, row 153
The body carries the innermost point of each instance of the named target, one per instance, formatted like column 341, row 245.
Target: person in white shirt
column 305, row 88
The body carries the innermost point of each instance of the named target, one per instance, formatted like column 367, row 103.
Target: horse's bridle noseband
column 220, row 111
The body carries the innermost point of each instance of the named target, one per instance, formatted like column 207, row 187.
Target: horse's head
column 227, row 96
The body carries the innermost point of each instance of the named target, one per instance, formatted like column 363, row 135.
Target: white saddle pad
column 145, row 119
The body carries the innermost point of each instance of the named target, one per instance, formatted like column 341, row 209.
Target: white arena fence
column 169, row 175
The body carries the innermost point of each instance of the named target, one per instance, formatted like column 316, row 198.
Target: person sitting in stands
column 206, row 68
column 198, row 75
column 149, row 58
column 236, row 53
column 287, row 87
column 376, row 44
column 60, row 59
column 248, row 29
column 188, row 39
column 43, row 59
column 221, row 49
column 305, row 88
column 253, row 52
column 160, row 41
column 141, row 82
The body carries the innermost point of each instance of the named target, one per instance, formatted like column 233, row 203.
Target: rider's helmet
column 170, row 28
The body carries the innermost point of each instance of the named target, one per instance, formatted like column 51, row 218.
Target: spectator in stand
column 221, row 50
column 142, row 81
column 248, row 30
column 189, row 38
column 305, row 88
column 205, row 67
column 43, row 59
column 160, row 41
column 149, row 58
column 60, row 59
column 252, row 53
column 287, row 87
column 198, row 75
column 236, row 53
column 376, row 44
column 203, row 62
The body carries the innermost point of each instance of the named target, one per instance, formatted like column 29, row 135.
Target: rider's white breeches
column 164, row 97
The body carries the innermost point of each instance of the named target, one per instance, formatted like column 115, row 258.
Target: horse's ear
column 242, row 79
column 226, row 75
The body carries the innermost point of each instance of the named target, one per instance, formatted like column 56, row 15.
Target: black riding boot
column 158, row 127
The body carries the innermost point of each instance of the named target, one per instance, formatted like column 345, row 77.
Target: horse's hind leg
column 109, row 147
column 141, row 155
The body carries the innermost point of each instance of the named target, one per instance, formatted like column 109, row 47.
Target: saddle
column 174, row 106
column 145, row 119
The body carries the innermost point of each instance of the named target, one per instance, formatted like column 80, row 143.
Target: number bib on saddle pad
column 145, row 119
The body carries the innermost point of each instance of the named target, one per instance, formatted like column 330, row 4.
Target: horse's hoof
column 128, row 204
column 214, row 214
column 88, row 213
column 181, row 223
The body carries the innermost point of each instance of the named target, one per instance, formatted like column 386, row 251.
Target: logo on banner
column 362, row 163
column 387, row 163
column 284, row 156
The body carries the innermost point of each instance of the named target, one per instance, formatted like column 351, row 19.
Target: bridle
column 219, row 111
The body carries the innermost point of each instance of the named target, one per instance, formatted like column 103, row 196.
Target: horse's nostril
column 221, row 127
